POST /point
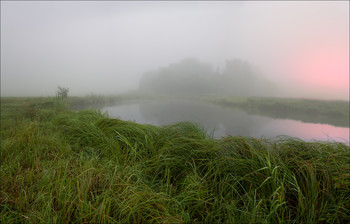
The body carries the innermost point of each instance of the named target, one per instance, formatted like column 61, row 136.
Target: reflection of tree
column 208, row 115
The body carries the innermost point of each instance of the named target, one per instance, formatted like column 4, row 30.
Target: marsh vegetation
column 61, row 166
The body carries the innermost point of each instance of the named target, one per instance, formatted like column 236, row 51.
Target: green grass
column 334, row 112
column 59, row 166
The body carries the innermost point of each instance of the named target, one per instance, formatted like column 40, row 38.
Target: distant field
column 60, row 166
column 315, row 111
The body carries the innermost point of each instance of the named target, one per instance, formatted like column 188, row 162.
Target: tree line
column 194, row 78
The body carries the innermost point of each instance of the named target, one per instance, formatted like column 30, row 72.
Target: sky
column 104, row 47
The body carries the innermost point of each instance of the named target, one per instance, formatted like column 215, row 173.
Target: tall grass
column 59, row 166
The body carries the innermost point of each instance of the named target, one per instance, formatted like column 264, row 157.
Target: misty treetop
column 194, row 78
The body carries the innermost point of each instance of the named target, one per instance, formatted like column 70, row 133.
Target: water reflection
column 224, row 121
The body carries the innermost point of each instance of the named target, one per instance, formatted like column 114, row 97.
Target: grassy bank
column 59, row 166
column 314, row 111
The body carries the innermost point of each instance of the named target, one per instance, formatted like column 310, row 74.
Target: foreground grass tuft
column 59, row 166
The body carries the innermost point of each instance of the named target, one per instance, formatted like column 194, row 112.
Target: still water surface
column 220, row 121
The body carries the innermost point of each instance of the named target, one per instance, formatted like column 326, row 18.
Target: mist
column 292, row 49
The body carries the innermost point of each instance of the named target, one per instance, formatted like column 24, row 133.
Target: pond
column 220, row 121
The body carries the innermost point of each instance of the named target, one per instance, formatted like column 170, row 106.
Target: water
column 220, row 121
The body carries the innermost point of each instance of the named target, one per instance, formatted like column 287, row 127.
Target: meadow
column 64, row 166
column 334, row 112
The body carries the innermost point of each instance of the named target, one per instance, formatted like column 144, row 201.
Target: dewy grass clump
column 59, row 166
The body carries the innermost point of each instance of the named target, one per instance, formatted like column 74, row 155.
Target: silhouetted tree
column 194, row 78
column 62, row 92
column 187, row 77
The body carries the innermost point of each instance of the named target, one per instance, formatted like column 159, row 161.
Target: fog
column 300, row 48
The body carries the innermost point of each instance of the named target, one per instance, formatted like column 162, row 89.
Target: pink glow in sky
column 324, row 68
